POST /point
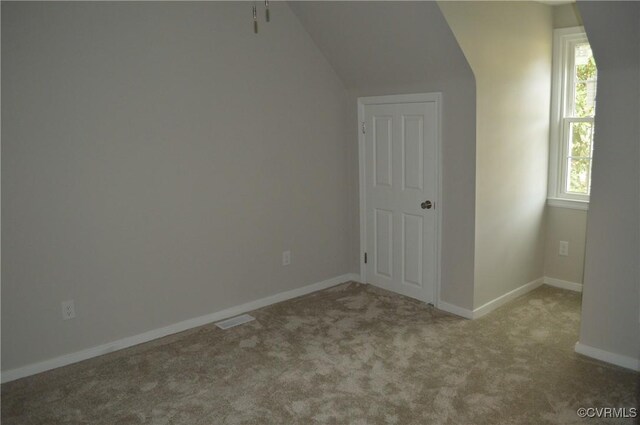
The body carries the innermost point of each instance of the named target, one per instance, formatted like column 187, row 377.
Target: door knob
column 426, row 205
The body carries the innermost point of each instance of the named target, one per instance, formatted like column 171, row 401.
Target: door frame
column 401, row 98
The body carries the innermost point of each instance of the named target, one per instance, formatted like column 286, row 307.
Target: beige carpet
column 347, row 355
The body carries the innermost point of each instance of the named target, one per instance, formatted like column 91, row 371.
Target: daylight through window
column 575, row 84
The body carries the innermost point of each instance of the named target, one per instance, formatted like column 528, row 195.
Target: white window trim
column 563, row 39
column 568, row 203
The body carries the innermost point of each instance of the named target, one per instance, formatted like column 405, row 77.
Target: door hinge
column 365, row 258
column 364, row 128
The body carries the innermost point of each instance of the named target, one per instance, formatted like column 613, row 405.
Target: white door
column 401, row 187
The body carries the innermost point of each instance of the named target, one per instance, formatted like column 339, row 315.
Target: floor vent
column 235, row 321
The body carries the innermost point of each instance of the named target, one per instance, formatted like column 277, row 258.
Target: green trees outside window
column 580, row 122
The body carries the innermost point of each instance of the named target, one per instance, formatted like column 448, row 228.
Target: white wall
column 157, row 159
column 508, row 45
column 380, row 48
column 570, row 225
column 610, row 306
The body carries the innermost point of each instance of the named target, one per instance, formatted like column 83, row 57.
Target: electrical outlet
column 68, row 310
column 564, row 248
column 286, row 258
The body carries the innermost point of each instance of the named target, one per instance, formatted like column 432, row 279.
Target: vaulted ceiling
column 380, row 44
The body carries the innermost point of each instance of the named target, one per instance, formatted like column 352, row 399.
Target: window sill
column 568, row 203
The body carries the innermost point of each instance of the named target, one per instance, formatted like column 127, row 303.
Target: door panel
column 382, row 154
column 412, row 139
column 384, row 243
column 400, row 173
column 412, row 236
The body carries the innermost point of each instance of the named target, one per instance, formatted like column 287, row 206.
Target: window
column 572, row 112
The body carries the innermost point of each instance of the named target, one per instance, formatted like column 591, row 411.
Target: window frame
column 564, row 40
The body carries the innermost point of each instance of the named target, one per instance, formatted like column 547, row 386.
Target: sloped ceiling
column 381, row 44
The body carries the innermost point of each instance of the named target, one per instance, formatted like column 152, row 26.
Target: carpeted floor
column 351, row 354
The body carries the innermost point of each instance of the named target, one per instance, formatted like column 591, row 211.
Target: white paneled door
column 400, row 193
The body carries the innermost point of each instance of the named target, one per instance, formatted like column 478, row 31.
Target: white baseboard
column 491, row 305
column 608, row 357
column 563, row 284
column 32, row 369
column 454, row 309
column 509, row 296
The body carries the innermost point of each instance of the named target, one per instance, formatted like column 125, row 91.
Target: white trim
column 568, row 203
column 608, row 357
column 563, row 284
column 120, row 344
column 503, row 299
column 402, row 98
column 439, row 209
column 355, row 277
column 563, row 39
column 361, row 184
column 493, row 304
column 454, row 309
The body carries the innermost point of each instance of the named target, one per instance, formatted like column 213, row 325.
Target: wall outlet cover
column 564, row 248
column 68, row 309
column 286, row 258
